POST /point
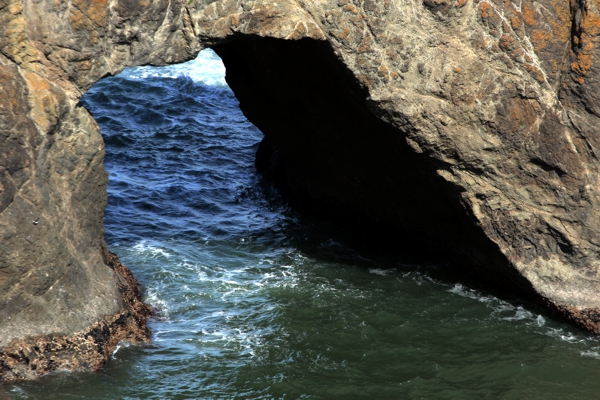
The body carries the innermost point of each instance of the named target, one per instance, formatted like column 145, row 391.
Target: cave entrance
column 332, row 156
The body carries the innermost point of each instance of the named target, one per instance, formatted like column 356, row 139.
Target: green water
column 276, row 323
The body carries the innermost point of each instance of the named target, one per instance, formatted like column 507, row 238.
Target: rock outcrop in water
column 466, row 125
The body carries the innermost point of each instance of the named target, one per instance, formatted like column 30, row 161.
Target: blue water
column 257, row 302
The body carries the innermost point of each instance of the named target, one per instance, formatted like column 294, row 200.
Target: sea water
column 257, row 302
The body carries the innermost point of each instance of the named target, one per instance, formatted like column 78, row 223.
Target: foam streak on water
column 258, row 303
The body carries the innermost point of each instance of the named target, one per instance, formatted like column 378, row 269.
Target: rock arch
column 472, row 122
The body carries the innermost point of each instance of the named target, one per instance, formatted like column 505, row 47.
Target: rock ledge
column 86, row 350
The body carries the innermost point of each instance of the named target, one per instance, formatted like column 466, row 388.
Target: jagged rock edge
column 86, row 350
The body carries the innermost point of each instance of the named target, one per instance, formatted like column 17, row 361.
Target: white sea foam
column 153, row 298
column 16, row 389
column 564, row 336
column 120, row 345
column 382, row 272
column 519, row 314
column 541, row 321
column 591, row 353
column 206, row 68
column 470, row 293
column 148, row 250
column 503, row 310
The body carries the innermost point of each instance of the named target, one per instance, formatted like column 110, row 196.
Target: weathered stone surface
column 470, row 125
column 84, row 350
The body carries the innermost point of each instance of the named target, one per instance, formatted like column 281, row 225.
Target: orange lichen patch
column 382, row 70
column 97, row 12
column 460, row 3
column 535, row 72
column 513, row 48
column 512, row 15
column 507, row 43
column 590, row 30
column 395, row 75
column 366, row 45
column 486, row 10
column 42, row 100
column 549, row 28
column 88, row 14
column 540, row 38
column 528, row 14
column 457, row 70
column 515, row 22
column 561, row 26
column 350, row 8
column 342, row 36
column 583, row 64
column 491, row 18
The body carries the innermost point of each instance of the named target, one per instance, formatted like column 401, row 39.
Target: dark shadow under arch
column 331, row 156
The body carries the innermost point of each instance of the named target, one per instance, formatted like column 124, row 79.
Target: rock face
column 79, row 349
column 465, row 125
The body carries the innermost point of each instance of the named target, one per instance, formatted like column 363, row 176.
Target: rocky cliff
column 466, row 125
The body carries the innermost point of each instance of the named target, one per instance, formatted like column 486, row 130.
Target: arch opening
column 332, row 156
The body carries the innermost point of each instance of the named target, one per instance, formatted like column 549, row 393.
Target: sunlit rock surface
column 468, row 126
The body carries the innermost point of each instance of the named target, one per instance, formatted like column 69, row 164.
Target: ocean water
column 257, row 302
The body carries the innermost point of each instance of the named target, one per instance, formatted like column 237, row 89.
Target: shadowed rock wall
column 332, row 156
column 477, row 117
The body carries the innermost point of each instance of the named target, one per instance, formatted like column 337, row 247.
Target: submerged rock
column 468, row 126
